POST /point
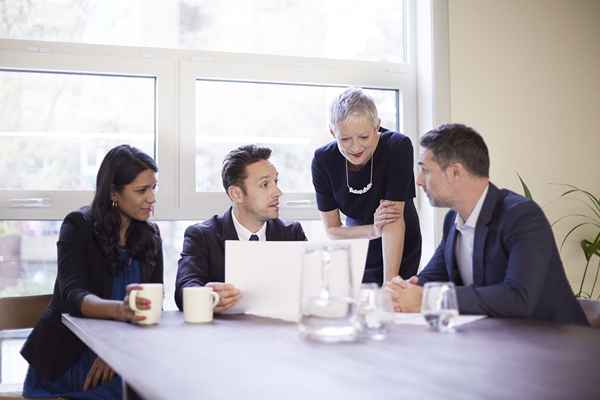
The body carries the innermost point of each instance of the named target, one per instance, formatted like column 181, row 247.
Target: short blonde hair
column 352, row 101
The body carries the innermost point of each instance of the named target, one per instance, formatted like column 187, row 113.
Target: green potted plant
column 591, row 244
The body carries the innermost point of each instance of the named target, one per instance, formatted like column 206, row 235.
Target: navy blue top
column 393, row 179
column 130, row 272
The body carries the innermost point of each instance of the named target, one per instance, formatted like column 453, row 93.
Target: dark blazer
column 82, row 269
column 517, row 271
column 203, row 255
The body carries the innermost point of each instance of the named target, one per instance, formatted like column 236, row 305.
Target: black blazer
column 83, row 269
column 517, row 271
column 203, row 255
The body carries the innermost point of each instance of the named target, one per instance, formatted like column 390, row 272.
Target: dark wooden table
column 243, row 357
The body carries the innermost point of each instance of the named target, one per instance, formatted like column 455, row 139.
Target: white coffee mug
column 198, row 303
column 152, row 292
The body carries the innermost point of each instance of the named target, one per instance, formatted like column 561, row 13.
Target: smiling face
column 356, row 138
column 434, row 180
column 259, row 198
column 136, row 199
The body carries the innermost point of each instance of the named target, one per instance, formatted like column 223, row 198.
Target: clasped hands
column 406, row 295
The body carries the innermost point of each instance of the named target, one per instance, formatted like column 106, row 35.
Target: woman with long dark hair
column 103, row 252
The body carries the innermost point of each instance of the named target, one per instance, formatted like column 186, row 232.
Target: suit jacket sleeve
column 528, row 240
column 436, row 270
column 73, row 275
column 193, row 268
column 299, row 233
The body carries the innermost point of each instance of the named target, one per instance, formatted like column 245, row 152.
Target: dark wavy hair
column 121, row 166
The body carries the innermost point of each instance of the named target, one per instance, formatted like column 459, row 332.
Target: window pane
column 290, row 119
column 55, row 128
column 371, row 31
column 27, row 257
column 172, row 233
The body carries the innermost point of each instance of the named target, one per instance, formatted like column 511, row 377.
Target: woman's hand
column 386, row 213
column 100, row 372
column 125, row 313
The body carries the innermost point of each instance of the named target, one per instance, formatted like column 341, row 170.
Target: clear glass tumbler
column 439, row 306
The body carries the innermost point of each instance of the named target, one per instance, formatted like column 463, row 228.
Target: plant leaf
column 571, row 231
column 591, row 248
column 526, row 190
column 587, row 217
column 594, row 200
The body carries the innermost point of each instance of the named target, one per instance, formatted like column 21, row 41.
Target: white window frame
column 176, row 72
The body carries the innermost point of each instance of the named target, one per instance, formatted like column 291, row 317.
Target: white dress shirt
column 244, row 234
column 465, row 239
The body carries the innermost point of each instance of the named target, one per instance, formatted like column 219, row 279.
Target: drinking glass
column 374, row 308
column 439, row 306
column 328, row 306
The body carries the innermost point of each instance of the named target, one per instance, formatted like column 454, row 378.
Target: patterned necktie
column 253, row 237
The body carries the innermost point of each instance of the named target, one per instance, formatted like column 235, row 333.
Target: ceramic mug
column 199, row 303
column 152, row 292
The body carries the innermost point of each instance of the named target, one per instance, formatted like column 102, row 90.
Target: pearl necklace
column 363, row 190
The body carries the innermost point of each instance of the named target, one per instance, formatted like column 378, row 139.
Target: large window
column 186, row 81
column 372, row 31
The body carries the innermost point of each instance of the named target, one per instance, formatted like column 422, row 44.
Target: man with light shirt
column 251, row 182
column 497, row 247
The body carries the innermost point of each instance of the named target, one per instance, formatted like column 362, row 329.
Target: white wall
column 526, row 75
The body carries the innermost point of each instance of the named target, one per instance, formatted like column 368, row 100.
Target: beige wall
column 526, row 75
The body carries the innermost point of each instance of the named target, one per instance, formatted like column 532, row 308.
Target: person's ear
column 332, row 132
column 458, row 170
column 236, row 194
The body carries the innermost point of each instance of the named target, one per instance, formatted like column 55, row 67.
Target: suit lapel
column 271, row 231
column 481, row 232
column 229, row 232
column 449, row 255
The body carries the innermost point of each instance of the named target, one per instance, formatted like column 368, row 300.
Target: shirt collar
column 472, row 220
column 244, row 234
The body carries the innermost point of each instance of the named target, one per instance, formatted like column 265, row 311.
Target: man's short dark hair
column 458, row 143
column 236, row 161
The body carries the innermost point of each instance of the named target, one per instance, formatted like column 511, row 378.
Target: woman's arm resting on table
column 93, row 306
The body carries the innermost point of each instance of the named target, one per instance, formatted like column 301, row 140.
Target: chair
column 591, row 308
column 17, row 316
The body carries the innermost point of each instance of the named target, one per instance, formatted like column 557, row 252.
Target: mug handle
column 132, row 298
column 216, row 298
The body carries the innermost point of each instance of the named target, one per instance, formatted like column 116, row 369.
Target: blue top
column 393, row 179
column 130, row 272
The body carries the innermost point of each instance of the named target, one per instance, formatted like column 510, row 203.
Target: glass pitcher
column 328, row 303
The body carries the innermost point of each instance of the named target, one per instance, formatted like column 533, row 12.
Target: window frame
column 175, row 72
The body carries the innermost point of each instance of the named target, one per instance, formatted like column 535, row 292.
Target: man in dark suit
column 250, row 181
column 497, row 247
